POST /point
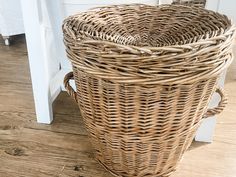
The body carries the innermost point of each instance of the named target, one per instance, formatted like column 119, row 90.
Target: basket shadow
column 196, row 144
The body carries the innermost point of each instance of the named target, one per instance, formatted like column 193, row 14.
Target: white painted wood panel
column 11, row 21
column 38, row 59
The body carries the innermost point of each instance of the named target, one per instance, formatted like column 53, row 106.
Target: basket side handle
column 221, row 105
column 68, row 87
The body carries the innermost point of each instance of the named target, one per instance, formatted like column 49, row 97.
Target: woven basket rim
column 149, row 49
column 201, row 58
column 228, row 30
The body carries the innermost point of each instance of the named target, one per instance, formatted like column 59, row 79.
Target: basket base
column 167, row 174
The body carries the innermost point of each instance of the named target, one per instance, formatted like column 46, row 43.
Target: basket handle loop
column 68, row 88
column 221, row 105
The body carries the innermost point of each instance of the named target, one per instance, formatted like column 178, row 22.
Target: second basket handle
column 68, row 88
column 221, row 105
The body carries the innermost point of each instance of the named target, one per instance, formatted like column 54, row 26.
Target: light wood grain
column 28, row 149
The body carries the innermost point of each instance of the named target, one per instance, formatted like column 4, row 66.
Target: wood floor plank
column 40, row 159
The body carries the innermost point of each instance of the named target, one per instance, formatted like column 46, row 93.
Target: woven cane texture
column 144, row 77
column 195, row 3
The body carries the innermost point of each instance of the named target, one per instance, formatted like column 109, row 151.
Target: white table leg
column 37, row 60
column 206, row 131
column 6, row 40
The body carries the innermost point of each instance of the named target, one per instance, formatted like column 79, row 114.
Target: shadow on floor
column 196, row 144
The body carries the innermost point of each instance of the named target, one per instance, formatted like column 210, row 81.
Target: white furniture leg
column 37, row 60
column 206, row 131
column 6, row 40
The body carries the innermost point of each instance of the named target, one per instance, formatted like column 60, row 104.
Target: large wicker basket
column 144, row 77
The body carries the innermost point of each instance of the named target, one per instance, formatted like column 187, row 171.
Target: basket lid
column 144, row 25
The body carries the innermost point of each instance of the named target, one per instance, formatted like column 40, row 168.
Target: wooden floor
column 28, row 149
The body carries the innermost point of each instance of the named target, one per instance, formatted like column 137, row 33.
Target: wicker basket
column 196, row 3
column 144, row 77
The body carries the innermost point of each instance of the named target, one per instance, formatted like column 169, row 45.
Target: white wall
column 228, row 7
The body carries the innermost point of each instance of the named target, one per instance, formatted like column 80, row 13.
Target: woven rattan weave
column 144, row 77
column 196, row 3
